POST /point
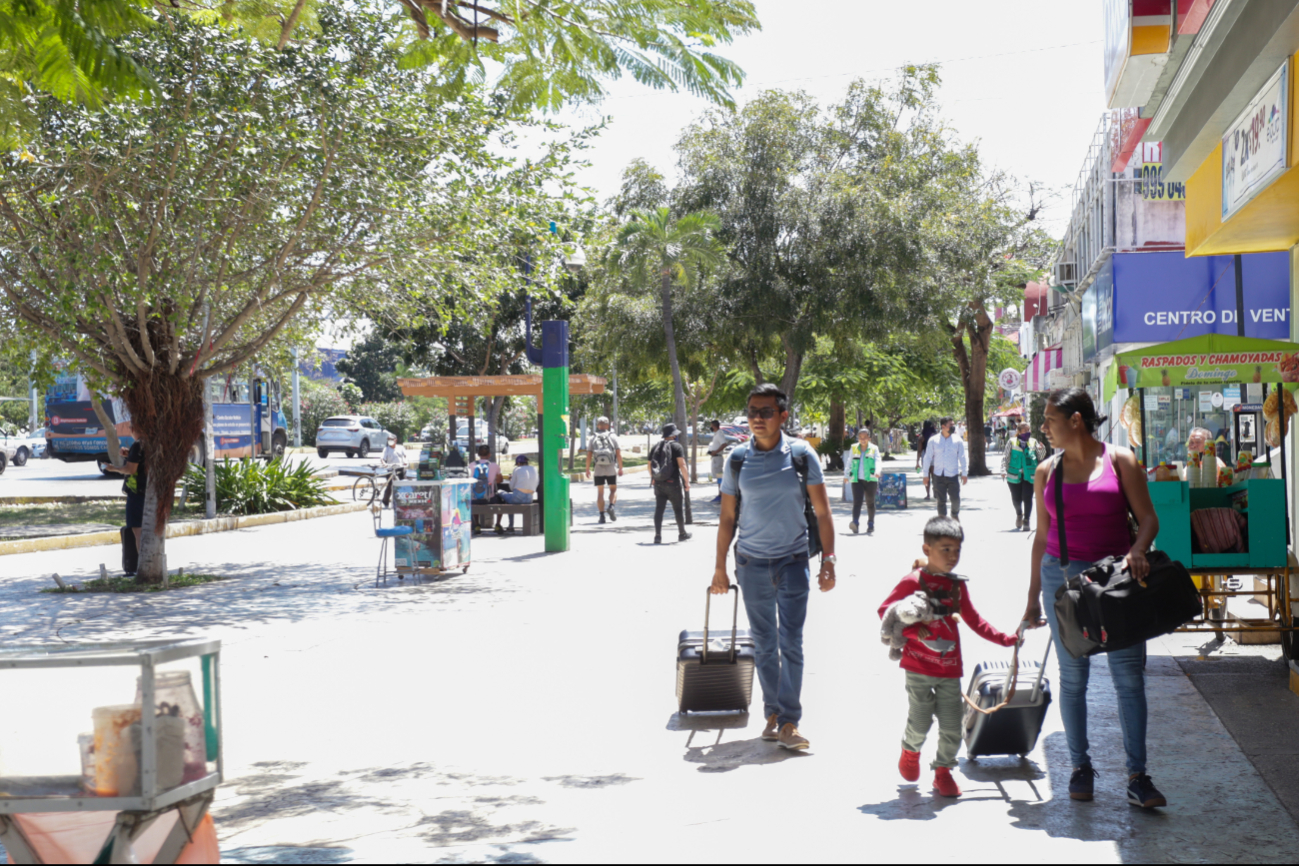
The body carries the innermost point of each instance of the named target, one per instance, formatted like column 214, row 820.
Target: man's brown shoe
column 771, row 732
column 791, row 739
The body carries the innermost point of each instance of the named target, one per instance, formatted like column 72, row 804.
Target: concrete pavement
column 525, row 711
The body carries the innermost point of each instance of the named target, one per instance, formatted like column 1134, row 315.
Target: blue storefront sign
column 1160, row 297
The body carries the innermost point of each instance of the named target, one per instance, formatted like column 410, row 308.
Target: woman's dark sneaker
column 1142, row 792
column 1082, row 784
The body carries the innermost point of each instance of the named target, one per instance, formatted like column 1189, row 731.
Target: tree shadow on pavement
column 277, row 815
column 252, row 595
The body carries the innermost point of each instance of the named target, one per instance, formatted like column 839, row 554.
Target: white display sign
column 1152, row 402
column 1254, row 148
column 1009, row 379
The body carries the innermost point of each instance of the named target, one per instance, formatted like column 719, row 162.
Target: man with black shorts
column 606, row 455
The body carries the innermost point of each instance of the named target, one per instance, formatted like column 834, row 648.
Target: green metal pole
column 554, row 395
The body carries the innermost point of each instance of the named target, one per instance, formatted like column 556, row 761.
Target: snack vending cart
column 1224, row 510
column 440, row 513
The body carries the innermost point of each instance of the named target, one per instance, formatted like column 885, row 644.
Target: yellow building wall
column 1269, row 223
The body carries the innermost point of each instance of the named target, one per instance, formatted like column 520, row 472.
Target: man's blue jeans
column 1127, row 668
column 775, row 599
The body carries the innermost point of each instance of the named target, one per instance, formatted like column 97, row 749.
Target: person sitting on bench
column 523, row 484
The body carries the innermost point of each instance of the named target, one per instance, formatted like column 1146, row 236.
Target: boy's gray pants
column 928, row 697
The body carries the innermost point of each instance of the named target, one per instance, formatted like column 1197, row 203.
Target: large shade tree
column 826, row 213
column 155, row 248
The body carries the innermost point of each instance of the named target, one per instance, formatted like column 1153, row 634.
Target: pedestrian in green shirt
column 864, row 471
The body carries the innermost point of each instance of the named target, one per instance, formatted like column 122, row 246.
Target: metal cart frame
column 136, row 814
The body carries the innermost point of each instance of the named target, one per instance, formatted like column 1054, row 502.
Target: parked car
column 7, row 452
column 354, row 435
column 25, row 446
column 480, row 436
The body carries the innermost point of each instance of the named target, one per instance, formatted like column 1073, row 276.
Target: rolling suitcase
column 712, row 675
column 130, row 555
column 1005, row 707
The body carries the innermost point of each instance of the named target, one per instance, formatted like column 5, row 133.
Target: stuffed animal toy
column 915, row 608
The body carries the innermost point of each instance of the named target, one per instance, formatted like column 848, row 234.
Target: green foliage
column 319, row 401
column 371, row 365
column 257, row 487
column 828, row 214
column 67, row 49
column 396, row 416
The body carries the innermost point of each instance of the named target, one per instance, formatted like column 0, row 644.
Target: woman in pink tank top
column 1101, row 482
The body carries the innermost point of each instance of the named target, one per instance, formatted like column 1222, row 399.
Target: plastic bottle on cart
column 173, row 695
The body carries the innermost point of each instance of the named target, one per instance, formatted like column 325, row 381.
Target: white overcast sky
column 1021, row 77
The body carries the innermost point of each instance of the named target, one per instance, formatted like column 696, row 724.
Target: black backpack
column 809, row 513
column 661, row 464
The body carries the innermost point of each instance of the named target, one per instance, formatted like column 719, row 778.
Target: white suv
column 354, row 435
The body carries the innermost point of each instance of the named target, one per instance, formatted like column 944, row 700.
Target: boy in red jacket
column 932, row 655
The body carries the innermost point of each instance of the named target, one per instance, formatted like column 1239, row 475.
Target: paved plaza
column 524, row 712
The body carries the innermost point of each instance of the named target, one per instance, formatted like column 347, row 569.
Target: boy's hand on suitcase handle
column 721, row 582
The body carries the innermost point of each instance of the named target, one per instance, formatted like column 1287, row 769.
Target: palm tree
column 654, row 247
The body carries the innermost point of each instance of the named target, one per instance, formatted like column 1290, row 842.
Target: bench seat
column 531, row 514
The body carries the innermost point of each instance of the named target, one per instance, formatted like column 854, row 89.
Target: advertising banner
column 1254, row 147
column 1158, row 297
column 232, row 434
column 1214, row 359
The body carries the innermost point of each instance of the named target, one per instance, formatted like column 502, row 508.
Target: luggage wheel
column 1023, row 755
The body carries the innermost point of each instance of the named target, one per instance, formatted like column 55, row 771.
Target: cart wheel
column 1023, row 755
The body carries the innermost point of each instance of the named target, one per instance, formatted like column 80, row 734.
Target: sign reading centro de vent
column 1254, row 148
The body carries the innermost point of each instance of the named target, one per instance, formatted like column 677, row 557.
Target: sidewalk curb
column 180, row 530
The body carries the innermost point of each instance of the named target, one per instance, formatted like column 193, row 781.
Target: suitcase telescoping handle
column 735, row 622
column 1012, row 676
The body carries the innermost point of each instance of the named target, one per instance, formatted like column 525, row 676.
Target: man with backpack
column 669, row 476
column 773, row 490
column 606, row 454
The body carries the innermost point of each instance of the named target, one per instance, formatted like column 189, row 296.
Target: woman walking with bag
column 1101, row 483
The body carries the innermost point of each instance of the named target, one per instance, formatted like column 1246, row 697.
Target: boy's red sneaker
column 909, row 766
column 944, row 784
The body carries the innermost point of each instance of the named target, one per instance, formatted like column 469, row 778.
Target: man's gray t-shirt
column 771, row 500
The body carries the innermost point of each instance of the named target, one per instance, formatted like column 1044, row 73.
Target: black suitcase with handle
column 715, row 675
column 1006, row 706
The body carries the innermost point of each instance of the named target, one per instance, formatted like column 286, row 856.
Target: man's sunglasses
column 766, row 413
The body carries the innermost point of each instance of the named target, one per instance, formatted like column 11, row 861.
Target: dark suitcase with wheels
column 715, row 675
column 130, row 555
column 1000, row 726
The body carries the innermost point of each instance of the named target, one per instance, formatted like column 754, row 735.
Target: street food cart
column 438, row 511
column 147, row 771
column 1224, row 513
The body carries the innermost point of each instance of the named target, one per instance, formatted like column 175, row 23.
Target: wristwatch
column 829, row 560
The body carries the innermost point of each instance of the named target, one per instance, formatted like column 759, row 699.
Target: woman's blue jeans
column 1127, row 668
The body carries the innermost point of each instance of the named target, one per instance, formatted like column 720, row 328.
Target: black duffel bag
column 1104, row 608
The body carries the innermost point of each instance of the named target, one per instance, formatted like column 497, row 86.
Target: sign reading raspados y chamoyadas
column 1210, row 359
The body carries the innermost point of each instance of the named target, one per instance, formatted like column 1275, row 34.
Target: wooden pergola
column 463, row 389
column 460, row 393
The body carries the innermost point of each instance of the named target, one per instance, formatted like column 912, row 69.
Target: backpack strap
column 737, row 463
column 1057, row 473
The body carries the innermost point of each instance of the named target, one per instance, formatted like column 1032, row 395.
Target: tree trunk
column 793, row 368
column 112, row 444
column 836, row 433
column 973, row 365
column 167, row 415
column 493, row 422
column 669, row 334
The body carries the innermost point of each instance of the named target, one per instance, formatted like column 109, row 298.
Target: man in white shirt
column 523, row 485
column 945, row 454
column 395, row 461
column 717, row 450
